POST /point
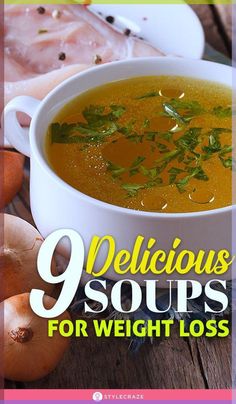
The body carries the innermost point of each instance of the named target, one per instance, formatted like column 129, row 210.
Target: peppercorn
column 110, row 19
column 61, row 56
column 127, row 31
column 41, row 10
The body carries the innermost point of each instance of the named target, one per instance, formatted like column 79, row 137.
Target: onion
column 18, row 258
column 28, row 353
column 13, row 163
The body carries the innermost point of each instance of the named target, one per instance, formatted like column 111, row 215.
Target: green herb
column 95, row 114
column 181, row 184
column 128, row 129
column 196, row 172
column 193, row 108
column 151, row 173
column 42, row 31
column 190, row 140
column 199, row 174
column 146, row 123
column 101, row 122
column 187, row 159
column 167, row 136
column 172, row 112
column 227, row 163
column 226, row 149
column 151, row 136
column 214, row 143
column 137, row 161
column 65, row 133
column 99, row 125
column 115, row 169
column 162, row 148
column 174, row 172
column 221, row 112
column 134, row 169
column 96, row 130
column 219, row 131
column 169, row 156
column 151, row 94
column 132, row 189
column 135, row 137
column 154, row 183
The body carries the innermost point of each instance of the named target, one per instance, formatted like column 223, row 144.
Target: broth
column 160, row 144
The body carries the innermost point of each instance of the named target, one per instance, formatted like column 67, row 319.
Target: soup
column 160, row 144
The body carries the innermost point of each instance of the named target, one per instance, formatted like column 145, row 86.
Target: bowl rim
column 41, row 159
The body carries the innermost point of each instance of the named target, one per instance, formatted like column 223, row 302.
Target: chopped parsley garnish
column 137, row 161
column 227, row 163
column 42, row 31
column 97, row 127
column 192, row 108
column 187, row 146
column 190, row 140
column 151, row 94
column 132, row 189
column 193, row 172
column 117, row 170
column 221, row 112
column 172, row 112
column 174, row 172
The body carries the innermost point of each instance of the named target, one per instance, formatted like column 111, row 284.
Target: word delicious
column 140, row 260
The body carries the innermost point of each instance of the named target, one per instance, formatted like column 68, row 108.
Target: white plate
column 173, row 28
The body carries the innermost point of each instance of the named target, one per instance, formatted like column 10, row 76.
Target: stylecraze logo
column 98, row 396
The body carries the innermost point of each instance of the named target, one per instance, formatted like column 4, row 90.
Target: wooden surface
column 217, row 24
column 173, row 363
column 168, row 363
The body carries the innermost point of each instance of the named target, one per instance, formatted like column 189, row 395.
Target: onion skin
column 28, row 353
column 13, row 164
column 18, row 259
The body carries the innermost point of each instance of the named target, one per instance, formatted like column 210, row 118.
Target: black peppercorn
column 61, row 56
column 41, row 10
column 110, row 19
column 127, row 31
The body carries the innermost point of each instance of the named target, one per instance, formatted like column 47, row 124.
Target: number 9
column 71, row 277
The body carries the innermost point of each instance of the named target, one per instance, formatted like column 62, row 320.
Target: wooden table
column 169, row 363
column 217, row 24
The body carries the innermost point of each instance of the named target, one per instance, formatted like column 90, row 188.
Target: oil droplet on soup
column 171, row 93
column 159, row 144
column 202, row 196
column 153, row 203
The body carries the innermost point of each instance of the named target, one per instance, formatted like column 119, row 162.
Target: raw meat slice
column 44, row 46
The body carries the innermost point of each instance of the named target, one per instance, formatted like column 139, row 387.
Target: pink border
column 69, row 395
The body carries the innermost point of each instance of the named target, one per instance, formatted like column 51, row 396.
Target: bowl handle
column 15, row 134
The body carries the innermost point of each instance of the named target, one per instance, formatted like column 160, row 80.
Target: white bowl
column 56, row 205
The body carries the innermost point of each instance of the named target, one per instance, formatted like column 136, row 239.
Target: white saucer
column 173, row 28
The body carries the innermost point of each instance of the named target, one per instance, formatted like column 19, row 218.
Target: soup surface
column 160, row 144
